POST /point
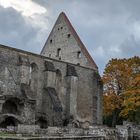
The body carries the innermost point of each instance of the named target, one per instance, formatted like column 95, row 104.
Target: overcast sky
column 108, row 28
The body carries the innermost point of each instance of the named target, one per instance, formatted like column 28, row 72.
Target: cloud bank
column 109, row 29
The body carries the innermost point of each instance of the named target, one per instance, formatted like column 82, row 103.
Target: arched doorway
column 42, row 122
column 66, row 122
column 9, row 121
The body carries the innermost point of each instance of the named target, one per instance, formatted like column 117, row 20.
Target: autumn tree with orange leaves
column 121, row 80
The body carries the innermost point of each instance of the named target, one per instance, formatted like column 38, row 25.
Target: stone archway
column 9, row 121
column 65, row 122
column 42, row 122
column 12, row 106
column 9, row 107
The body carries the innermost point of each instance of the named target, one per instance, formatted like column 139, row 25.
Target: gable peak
column 63, row 19
column 62, row 14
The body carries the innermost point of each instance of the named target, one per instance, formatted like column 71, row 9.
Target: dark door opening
column 9, row 121
column 42, row 123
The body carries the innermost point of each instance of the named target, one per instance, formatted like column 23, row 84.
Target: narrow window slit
column 78, row 54
column 68, row 35
column 58, row 52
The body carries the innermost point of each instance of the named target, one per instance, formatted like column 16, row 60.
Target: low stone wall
column 28, row 129
column 127, row 131
column 55, row 138
column 124, row 132
column 95, row 133
column 9, row 129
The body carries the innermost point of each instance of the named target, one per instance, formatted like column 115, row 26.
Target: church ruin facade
column 59, row 87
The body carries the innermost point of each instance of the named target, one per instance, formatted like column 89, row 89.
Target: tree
column 121, row 85
column 112, row 105
column 131, row 103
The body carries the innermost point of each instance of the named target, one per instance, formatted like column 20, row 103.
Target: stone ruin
column 57, row 94
column 60, row 87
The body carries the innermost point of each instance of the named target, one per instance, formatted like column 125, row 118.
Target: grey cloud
column 132, row 7
column 16, row 32
column 105, row 26
column 131, row 47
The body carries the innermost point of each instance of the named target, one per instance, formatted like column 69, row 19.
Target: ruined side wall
column 87, row 88
column 39, row 75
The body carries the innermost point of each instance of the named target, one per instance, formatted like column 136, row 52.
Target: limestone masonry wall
column 48, row 92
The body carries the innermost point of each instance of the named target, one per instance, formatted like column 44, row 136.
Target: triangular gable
column 80, row 43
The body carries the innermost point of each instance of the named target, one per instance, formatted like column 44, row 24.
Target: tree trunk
column 114, row 118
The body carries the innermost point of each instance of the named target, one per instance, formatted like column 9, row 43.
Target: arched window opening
column 58, row 52
column 33, row 71
column 34, row 67
column 12, row 106
column 9, row 107
column 23, row 60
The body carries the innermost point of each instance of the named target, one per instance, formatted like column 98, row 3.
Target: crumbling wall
column 28, row 77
